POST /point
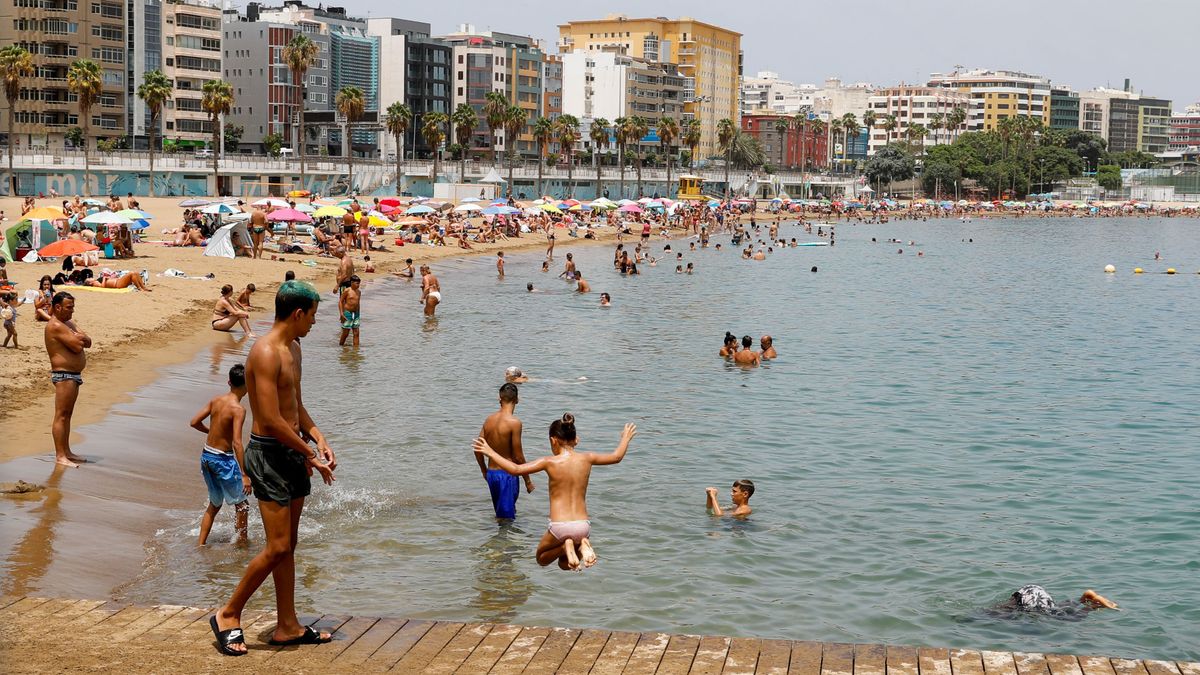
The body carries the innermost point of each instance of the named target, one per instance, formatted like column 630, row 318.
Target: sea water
column 936, row 432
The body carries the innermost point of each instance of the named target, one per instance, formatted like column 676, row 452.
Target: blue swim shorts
column 505, row 489
column 223, row 477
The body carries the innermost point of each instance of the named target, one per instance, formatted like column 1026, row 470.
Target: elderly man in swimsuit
column 568, row 539
column 431, row 290
column 258, row 231
column 65, row 343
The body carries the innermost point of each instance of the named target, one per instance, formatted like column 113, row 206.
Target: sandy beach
column 136, row 333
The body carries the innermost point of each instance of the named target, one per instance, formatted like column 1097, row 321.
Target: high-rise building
column 57, row 33
column 1095, row 107
column 766, row 91
column 552, row 85
column 1185, row 129
column 999, row 94
column 610, row 84
column 1154, row 125
column 915, row 104
column 1128, row 121
column 414, row 70
column 709, row 59
column 1064, row 108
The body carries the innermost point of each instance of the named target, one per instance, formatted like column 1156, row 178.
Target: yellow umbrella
column 376, row 221
column 45, row 213
column 551, row 208
column 329, row 211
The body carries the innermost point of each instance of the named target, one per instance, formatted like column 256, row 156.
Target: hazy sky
column 1082, row 43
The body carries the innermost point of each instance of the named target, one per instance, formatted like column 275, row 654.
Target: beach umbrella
column 631, row 208
column 218, row 209
column 390, row 201
column 466, row 200
column 193, row 203
column 623, row 202
column 499, row 202
column 552, row 208
column 418, row 200
column 329, row 212
column 386, row 208
column 92, row 201
column 571, row 202
column 468, row 207
column 417, row 210
column 139, row 225
column 376, row 221
column 306, row 208
column 134, row 214
column 44, row 213
column 107, row 218
column 289, row 215
column 272, row 201
column 492, row 211
column 65, row 247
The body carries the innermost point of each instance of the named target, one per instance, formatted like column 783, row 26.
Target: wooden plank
column 458, row 648
column 1128, row 667
column 427, row 647
column 24, row 606
column 490, row 649
column 554, row 649
column 837, row 659
column 123, row 618
column 373, row 639
column 94, row 616
column 933, row 661
column 1095, row 665
column 806, row 658
column 902, row 661
column 1031, row 663
column 78, row 609
column 346, row 635
column 398, row 645
column 48, row 608
column 646, row 653
column 870, row 659
column 153, row 618
column 171, row 628
column 966, row 662
column 742, row 658
column 773, row 657
column 1160, row 667
column 710, row 655
column 6, row 600
column 998, row 663
column 1061, row 664
column 521, row 651
column 678, row 656
column 615, row 655
column 586, row 650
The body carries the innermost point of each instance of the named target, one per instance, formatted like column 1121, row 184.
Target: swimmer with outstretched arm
column 567, row 540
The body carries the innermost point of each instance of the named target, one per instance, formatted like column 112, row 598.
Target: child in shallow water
column 568, row 539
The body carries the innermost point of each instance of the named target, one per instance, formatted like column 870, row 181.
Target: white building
column 1095, row 106
column 910, row 105
column 766, row 91
column 999, row 94
column 834, row 99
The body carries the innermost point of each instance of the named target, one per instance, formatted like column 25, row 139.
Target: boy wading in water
column 502, row 431
column 222, row 455
column 740, row 494
column 278, row 461
column 567, row 539
column 350, row 306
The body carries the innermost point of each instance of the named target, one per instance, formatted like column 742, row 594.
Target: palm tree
column 668, row 131
column 916, row 136
column 432, row 129
column 598, row 133
column 691, row 138
column 351, row 103
column 889, row 125
column 301, row 54
column 937, row 122
column 957, row 117
column 868, row 119
column 155, row 90
column 397, row 120
column 850, row 128
column 638, row 126
column 623, row 134
column 800, row 124
column 567, row 131
column 217, row 101
column 835, row 128
column 515, row 119
column 726, row 132
column 16, row 63
column 84, row 79
column 781, row 128
column 495, row 108
column 464, row 120
column 543, row 135
column 819, row 129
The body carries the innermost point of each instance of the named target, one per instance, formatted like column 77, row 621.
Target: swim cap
column 512, row 371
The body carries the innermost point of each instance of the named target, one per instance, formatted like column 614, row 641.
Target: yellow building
column 709, row 59
column 997, row 94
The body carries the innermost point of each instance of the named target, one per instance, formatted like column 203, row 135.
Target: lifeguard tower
column 689, row 188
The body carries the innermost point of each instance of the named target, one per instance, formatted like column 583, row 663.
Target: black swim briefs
column 277, row 473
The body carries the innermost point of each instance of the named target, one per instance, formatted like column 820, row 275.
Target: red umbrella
column 386, row 208
column 289, row 215
column 390, row 201
column 66, row 247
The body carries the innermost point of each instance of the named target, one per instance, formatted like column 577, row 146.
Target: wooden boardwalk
column 49, row 635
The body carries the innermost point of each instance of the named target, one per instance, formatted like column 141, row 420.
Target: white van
column 286, row 153
column 204, row 153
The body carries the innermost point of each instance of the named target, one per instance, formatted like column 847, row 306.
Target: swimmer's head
column 747, row 342
column 766, row 341
column 237, row 377
column 563, row 429
column 509, row 392
column 296, row 296
column 529, row 287
column 730, row 338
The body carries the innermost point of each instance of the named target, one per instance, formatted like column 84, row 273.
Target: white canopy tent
column 220, row 244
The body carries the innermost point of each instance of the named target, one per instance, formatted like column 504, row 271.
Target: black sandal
column 233, row 636
column 310, row 637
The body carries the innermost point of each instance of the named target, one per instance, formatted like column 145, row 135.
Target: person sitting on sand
column 747, row 356
column 567, row 539
column 243, row 299
column 767, row 344
column 408, row 272
column 741, row 493
column 222, row 459
column 226, row 314
column 1032, row 598
column 121, row 281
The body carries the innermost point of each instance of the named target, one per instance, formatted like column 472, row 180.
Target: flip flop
column 310, row 637
column 233, row 636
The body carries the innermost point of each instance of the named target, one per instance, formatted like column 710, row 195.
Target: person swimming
column 1034, row 599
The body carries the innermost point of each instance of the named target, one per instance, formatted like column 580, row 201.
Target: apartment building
column 610, row 84
column 793, row 147
column 999, row 94
column 1064, row 108
column 190, row 55
column 916, row 104
column 1185, row 129
column 57, row 33
column 767, row 91
column 708, row 57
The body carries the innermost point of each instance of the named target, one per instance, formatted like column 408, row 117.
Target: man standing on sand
column 278, row 461
column 349, row 305
column 258, row 230
column 222, row 458
column 431, row 290
column 65, row 344
column 502, row 431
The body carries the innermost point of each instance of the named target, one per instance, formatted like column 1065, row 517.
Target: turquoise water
column 937, row 432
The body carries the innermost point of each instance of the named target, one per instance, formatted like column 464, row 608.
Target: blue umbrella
column 418, row 210
column 139, row 225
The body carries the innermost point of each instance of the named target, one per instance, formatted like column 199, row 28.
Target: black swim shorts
column 277, row 473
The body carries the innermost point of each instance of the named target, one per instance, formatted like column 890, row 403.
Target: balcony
column 687, row 52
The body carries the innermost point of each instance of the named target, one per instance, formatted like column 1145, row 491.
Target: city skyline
column 1049, row 39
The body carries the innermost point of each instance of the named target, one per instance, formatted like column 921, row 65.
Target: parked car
column 204, row 153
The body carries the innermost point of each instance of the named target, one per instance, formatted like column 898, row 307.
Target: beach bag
column 7, row 313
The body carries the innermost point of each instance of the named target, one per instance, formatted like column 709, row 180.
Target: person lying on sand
column 121, row 281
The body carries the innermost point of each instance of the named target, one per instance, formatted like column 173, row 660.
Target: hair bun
column 568, row 418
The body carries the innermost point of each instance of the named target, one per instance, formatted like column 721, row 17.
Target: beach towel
column 97, row 289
